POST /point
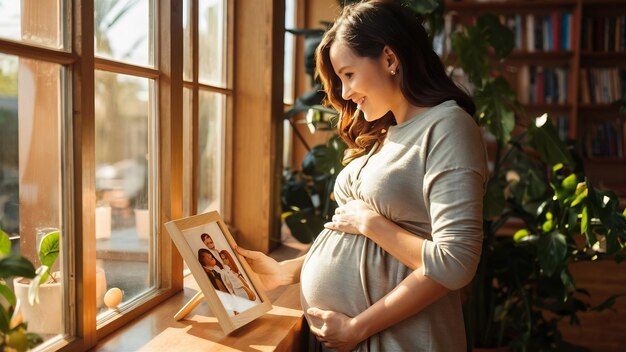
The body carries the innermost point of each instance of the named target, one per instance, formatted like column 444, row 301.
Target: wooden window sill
column 278, row 330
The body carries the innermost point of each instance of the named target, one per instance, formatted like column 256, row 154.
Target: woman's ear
column 390, row 59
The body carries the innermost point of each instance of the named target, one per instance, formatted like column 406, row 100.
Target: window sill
column 278, row 330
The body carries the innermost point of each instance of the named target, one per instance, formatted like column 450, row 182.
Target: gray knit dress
column 429, row 178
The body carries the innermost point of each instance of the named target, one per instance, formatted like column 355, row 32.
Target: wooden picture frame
column 228, row 284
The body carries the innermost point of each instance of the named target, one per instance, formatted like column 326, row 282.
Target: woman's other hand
column 337, row 331
column 269, row 271
column 352, row 217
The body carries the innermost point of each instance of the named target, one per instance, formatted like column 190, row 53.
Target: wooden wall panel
column 257, row 122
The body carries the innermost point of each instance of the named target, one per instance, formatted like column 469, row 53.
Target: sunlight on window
column 211, row 45
column 122, row 31
column 32, row 177
column 32, row 21
column 123, row 183
column 210, row 142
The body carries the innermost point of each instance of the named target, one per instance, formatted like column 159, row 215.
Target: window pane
column 31, row 178
column 290, row 22
column 187, row 151
column 210, row 151
column 123, row 30
column 32, row 21
column 187, row 44
column 211, row 45
column 124, row 183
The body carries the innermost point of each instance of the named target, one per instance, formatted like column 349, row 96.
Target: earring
column 393, row 73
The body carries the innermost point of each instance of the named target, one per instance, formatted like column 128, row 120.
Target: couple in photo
column 222, row 270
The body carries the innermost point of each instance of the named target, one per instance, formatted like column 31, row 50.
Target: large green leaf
column 493, row 201
column 604, row 206
column 5, row 244
column 49, row 248
column 545, row 140
column 16, row 266
column 6, row 292
column 499, row 36
column 5, row 319
column 304, row 225
column 552, row 251
column 495, row 103
column 320, row 160
column 471, row 48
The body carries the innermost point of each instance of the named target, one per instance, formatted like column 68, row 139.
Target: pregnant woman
column 385, row 273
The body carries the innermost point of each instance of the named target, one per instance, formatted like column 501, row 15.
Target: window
column 91, row 134
column 106, row 108
column 34, row 170
column 125, row 150
column 207, row 95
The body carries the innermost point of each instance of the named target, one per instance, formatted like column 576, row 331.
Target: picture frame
column 228, row 284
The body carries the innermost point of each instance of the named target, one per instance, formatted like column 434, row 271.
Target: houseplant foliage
column 13, row 331
column 523, row 286
column 49, row 249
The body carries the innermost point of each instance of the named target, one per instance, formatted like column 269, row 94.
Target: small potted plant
column 13, row 329
column 42, row 295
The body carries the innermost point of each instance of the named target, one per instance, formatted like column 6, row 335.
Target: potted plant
column 523, row 286
column 42, row 296
column 13, row 330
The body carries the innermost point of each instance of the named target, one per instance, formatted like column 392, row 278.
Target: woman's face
column 225, row 259
column 365, row 81
column 208, row 241
column 207, row 260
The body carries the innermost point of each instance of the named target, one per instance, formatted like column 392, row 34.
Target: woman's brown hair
column 204, row 250
column 231, row 262
column 366, row 28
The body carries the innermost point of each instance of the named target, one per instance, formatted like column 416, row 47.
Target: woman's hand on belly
column 337, row 330
column 352, row 217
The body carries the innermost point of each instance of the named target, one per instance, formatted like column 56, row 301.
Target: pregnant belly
column 331, row 275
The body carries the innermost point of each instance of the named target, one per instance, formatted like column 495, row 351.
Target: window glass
column 187, row 150
column 32, row 21
column 187, row 42
column 123, row 31
column 290, row 22
column 32, row 178
column 211, row 45
column 210, row 151
column 124, row 183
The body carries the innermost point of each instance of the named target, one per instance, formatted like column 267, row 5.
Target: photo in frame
column 226, row 280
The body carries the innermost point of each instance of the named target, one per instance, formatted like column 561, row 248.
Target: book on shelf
column 602, row 85
column 603, row 33
column 532, row 32
column 605, row 139
column 540, row 85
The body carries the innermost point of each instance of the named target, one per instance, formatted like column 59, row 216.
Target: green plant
column 307, row 195
column 49, row 249
column 523, row 286
column 13, row 331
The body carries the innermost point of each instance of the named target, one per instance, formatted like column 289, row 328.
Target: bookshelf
column 569, row 61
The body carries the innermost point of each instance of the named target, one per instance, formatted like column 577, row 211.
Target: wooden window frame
column 253, row 144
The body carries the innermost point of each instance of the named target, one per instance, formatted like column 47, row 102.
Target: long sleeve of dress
column 453, row 188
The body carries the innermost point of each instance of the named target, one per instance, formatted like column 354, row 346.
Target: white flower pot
column 47, row 316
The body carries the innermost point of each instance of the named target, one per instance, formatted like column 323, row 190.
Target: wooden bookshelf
column 594, row 60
